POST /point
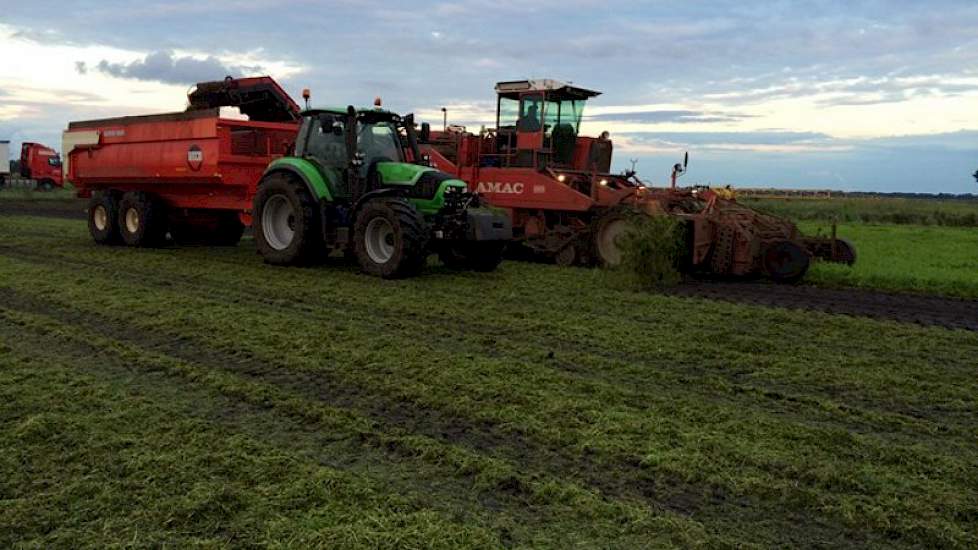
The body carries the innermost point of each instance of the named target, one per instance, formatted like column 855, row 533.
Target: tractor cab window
column 531, row 113
column 509, row 112
column 326, row 142
column 378, row 142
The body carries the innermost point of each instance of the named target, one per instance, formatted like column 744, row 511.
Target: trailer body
column 190, row 160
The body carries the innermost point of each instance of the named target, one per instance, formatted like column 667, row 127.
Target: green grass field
column 911, row 258
column 195, row 396
column 878, row 210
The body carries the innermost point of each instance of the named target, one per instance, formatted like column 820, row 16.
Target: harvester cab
column 538, row 124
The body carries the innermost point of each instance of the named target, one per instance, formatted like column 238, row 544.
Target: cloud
column 164, row 66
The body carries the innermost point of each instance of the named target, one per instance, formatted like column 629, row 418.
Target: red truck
column 192, row 174
column 41, row 164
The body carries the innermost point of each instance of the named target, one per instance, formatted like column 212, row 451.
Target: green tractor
column 349, row 187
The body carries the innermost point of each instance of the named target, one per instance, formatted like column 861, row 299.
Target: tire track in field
column 774, row 401
column 69, row 209
column 925, row 310
column 439, row 330
column 700, row 502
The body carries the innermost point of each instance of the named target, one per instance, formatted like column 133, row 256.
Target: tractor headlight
column 561, row 178
column 603, row 182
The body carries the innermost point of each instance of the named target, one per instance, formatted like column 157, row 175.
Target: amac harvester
column 564, row 202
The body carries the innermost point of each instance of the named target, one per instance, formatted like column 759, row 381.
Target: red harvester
column 565, row 203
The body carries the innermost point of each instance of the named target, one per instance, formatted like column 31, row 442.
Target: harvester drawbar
column 565, row 204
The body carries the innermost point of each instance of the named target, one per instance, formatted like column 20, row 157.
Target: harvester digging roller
column 566, row 205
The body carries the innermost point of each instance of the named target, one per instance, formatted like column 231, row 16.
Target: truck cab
column 42, row 164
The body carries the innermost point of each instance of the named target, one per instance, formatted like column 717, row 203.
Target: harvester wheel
column 786, row 261
column 287, row 228
column 477, row 256
column 390, row 238
column 141, row 219
column 607, row 231
column 845, row 252
column 103, row 218
column 567, row 256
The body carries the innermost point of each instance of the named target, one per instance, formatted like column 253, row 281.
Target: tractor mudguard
column 318, row 186
column 488, row 224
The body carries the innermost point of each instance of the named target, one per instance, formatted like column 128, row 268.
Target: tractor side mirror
column 425, row 134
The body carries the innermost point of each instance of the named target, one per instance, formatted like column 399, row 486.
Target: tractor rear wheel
column 786, row 261
column 390, row 239
column 607, row 230
column 477, row 256
column 141, row 219
column 287, row 225
column 103, row 218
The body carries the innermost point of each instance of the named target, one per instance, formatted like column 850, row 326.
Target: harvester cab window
column 509, row 112
column 531, row 114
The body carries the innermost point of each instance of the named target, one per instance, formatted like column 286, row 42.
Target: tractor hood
column 261, row 98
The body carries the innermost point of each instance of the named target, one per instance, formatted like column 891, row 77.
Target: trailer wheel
column 477, row 256
column 390, row 239
column 287, row 230
column 103, row 218
column 141, row 219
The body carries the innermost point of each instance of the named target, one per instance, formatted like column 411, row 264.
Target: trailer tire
column 287, row 227
column 142, row 219
column 390, row 238
column 103, row 218
column 477, row 256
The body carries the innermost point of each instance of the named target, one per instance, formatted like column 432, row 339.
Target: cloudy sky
column 873, row 95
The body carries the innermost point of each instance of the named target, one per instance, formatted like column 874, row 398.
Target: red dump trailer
column 191, row 174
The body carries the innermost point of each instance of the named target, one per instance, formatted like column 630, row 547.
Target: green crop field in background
column 887, row 210
column 914, row 258
column 190, row 396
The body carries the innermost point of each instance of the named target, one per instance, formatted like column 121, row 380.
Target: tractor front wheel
column 390, row 239
column 287, row 226
column 141, row 219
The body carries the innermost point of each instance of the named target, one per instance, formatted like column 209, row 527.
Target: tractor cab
column 356, row 148
column 538, row 124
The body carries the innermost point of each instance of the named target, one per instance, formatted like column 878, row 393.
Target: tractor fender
column 305, row 172
column 384, row 192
